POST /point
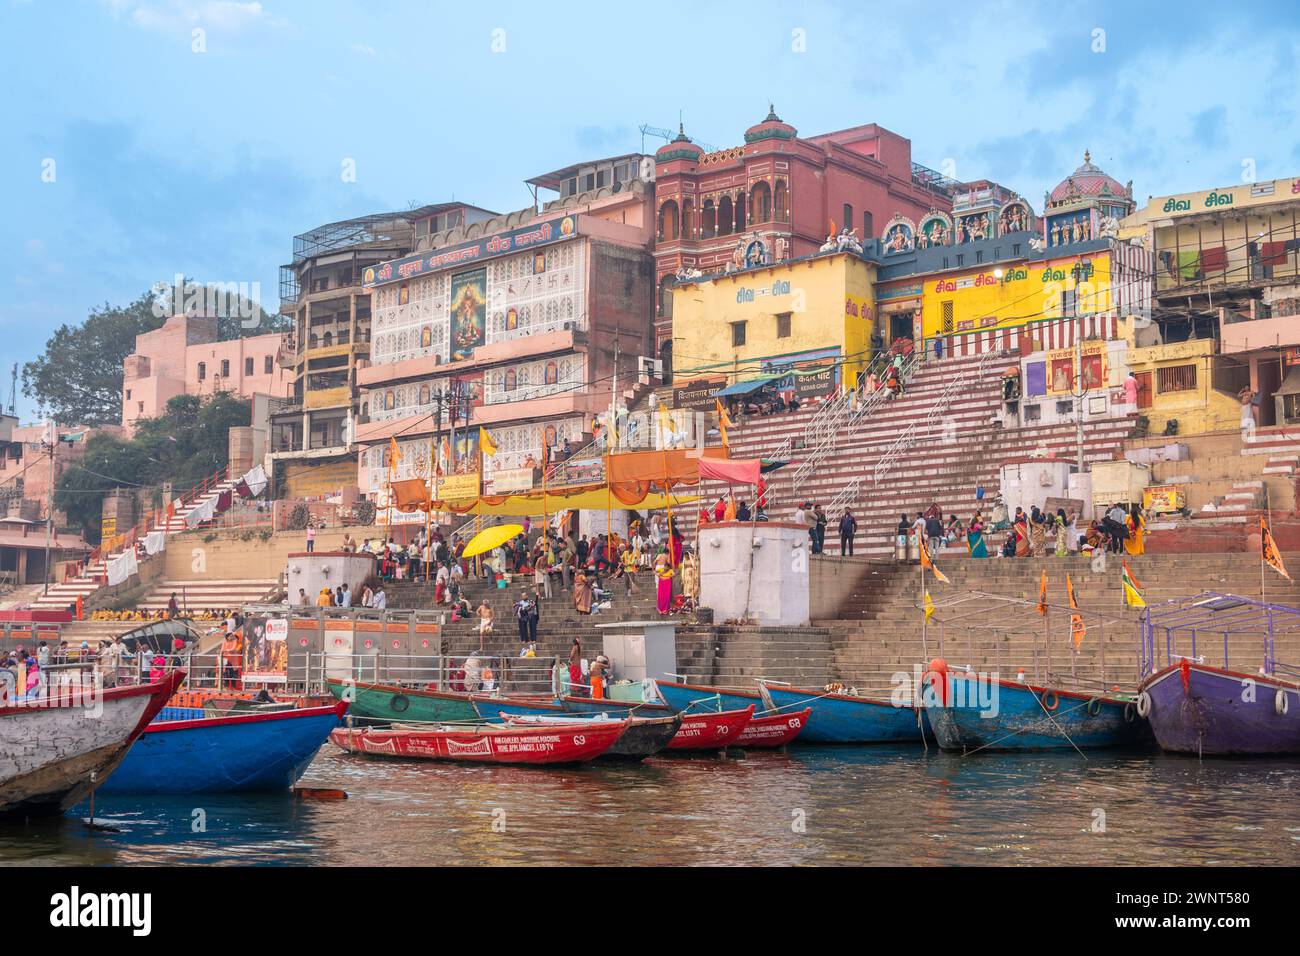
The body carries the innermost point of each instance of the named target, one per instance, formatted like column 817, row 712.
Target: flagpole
column 1268, row 510
column 925, row 617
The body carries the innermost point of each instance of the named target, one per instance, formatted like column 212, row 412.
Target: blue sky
column 169, row 160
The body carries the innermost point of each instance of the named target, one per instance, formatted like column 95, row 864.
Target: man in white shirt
column 347, row 596
column 381, row 599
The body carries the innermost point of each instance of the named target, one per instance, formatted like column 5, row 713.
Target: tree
column 186, row 443
column 78, row 379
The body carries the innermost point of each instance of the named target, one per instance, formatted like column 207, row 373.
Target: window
column 1015, row 248
column 225, row 368
column 947, row 316
column 979, row 255
column 783, row 325
column 1033, row 413
column 961, row 259
column 847, row 218
column 268, row 365
column 1176, row 378
column 128, row 394
column 139, row 407
column 1064, row 408
column 248, row 366
column 737, row 334
column 868, row 227
column 203, row 371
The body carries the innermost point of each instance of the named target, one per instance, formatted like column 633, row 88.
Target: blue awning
column 744, row 388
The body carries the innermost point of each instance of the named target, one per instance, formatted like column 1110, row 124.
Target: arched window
column 328, row 339
column 668, row 221
column 847, row 217
column 708, row 220
column 666, row 356
column 725, row 216
column 688, row 219
column 740, row 211
column 760, row 203
column 782, row 204
column 203, row 371
column 666, row 297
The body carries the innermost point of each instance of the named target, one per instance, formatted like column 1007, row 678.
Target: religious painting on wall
column 899, row 236
column 552, row 375
column 426, row 337
column 468, row 313
column 1094, row 375
column 539, row 263
column 936, row 230
column 512, row 319
column 1062, row 371
column 404, row 294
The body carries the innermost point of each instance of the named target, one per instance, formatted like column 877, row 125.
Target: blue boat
column 983, row 713
column 835, row 718
column 191, row 753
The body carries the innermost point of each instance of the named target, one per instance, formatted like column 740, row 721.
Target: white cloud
column 168, row 16
column 363, row 48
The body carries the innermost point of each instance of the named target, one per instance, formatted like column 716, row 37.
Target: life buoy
column 1280, row 703
column 400, row 703
column 1093, row 707
column 1053, row 697
column 1144, row 704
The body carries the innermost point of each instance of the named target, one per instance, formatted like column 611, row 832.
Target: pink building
column 184, row 357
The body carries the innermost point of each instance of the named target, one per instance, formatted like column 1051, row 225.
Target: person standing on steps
column 575, row 665
column 848, row 528
column 484, row 621
column 311, row 537
column 819, row 525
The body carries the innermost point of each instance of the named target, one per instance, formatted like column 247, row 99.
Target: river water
column 823, row 806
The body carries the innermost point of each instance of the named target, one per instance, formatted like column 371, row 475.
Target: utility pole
column 49, row 507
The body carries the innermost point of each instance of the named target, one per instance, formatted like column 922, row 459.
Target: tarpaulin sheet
column 737, row 472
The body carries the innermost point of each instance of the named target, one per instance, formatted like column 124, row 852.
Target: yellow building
column 814, row 311
column 1015, row 293
column 1178, row 381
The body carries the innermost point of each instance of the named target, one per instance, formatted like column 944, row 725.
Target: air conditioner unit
column 649, row 367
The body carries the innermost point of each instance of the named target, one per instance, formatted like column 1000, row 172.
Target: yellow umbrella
column 489, row 538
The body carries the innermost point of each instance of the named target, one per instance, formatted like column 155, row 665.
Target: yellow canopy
column 490, row 538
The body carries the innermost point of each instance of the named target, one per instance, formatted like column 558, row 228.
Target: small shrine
column 1087, row 204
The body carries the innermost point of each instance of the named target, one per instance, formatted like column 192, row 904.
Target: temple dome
column 1088, row 180
column 772, row 127
column 680, row 147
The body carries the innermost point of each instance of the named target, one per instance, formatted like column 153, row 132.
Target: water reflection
column 826, row 806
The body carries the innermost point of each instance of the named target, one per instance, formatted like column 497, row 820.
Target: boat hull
column 393, row 702
column 644, row 736
column 843, row 719
column 711, row 731
column 232, row 754
column 1195, row 709
column 574, row 743
column 681, row 696
column 52, row 755
column 1028, row 717
column 774, row 730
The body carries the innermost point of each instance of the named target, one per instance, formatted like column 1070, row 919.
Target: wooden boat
column 847, row 718
column 711, row 731
column 681, row 696
column 53, row 751
column 773, row 730
column 575, row 742
column 588, row 705
column 235, row 753
column 644, row 736
column 1207, row 711
column 395, row 702
column 983, row 713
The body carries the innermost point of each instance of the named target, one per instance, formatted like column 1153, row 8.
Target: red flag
column 1268, row 549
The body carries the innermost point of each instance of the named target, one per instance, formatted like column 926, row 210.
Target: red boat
column 711, row 731
column 554, row 743
column 776, row 730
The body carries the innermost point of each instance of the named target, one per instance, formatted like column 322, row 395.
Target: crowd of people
column 28, row 674
column 1035, row 533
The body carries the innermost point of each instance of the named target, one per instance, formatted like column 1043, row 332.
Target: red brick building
column 780, row 191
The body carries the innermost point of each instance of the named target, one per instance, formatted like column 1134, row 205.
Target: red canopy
column 739, row 471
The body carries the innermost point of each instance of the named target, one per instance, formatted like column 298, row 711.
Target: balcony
column 1245, row 333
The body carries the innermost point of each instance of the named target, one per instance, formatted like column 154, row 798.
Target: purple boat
column 1195, row 701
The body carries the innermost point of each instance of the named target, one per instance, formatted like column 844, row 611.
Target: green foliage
column 184, row 445
column 78, row 378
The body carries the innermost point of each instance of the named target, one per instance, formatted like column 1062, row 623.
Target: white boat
column 55, row 749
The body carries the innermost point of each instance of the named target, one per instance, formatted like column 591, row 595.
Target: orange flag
column 724, row 421
column 1042, row 594
column 1077, row 629
column 1268, row 549
column 927, row 563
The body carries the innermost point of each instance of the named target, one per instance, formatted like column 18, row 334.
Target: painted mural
column 468, row 313
column 899, row 236
column 936, row 230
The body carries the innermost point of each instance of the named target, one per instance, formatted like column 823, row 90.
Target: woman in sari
column 1038, row 533
column 1137, row 527
column 664, row 574
column 582, row 592
column 690, row 578
column 1020, row 530
column 975, row 540
column 1062, row 533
